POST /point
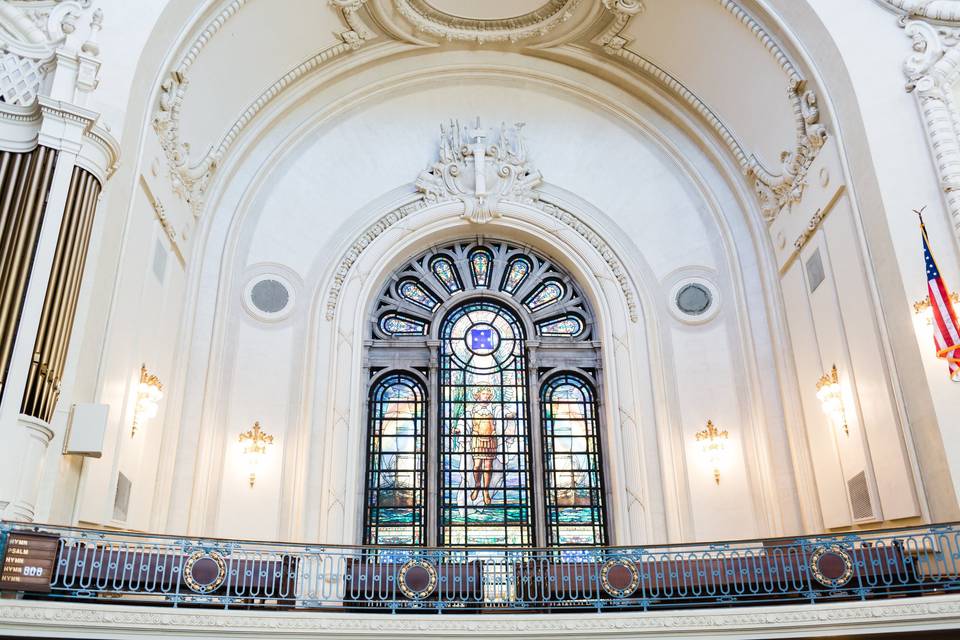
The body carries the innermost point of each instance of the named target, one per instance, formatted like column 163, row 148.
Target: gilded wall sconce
column 256, row 440
column 149, row 395
column 922, row 307
column 831, row 399
column 713, row 446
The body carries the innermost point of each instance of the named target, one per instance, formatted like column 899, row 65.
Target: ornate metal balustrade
column 126, row 568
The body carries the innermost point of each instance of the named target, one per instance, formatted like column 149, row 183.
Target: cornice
column 775, row 190
column 190, row 177
column 913, row 614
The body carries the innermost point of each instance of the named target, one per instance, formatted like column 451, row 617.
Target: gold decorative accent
column 258, row 440
column 713, row 444
column 923, row 307
column 149, row 395
column 830, row 396
column 627, row 564
column 192, row 582
column 818, row 574
column 415, row 594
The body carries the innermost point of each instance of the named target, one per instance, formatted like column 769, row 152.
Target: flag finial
column 919, row 212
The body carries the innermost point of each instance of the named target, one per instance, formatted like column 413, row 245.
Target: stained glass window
column 546, row 294
column 565, row 326
column 572, row 463
column 396, row 462
column 484, row 441
column 517, row 271
column 394, row 324
column 418, row 295
column 446, row 273
column 480, row 262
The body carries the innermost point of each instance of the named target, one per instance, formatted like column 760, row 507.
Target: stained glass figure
column 485, row 488
column 546, row 294
column 517, row 271
column 394, row 324
column 572, row 465
column 417, row 294
column 396, row 462
column 480, row 262
column 446, row 273
column 565, row 326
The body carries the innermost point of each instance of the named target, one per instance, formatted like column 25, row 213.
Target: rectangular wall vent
column 860, row 497
column 815, row 274
column 159, row 260
column 121, row 501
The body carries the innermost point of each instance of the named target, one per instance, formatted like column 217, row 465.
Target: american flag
column 946, row 333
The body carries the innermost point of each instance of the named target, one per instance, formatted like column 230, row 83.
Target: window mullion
column 536, row 446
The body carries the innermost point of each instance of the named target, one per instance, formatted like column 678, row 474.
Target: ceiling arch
column 756, row 97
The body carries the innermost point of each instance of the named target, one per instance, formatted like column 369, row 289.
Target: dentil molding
column 427, row 19
column 775, row 189
column 28, row 618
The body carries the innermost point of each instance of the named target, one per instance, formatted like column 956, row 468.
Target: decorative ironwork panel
column 396, row 462
column 572, row 466
column 485, row 490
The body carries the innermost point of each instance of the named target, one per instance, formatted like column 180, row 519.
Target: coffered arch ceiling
column 718, row 59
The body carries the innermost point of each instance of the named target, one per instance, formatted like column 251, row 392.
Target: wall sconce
column 831, row 399
column 713, row 445
column 257, row 441
column 149, row 395
column 922, row 307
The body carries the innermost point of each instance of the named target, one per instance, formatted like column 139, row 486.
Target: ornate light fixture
column 256, row 440
column 922, row 307
column 713, row 445
column 831, row 399
column 149, row 395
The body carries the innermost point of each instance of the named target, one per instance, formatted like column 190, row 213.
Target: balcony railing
column 126, row 568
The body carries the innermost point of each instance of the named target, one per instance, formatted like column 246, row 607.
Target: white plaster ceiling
column 487, row 9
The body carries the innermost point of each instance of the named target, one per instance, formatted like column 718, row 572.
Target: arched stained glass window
column 517, row 271
column 472, row 466
column 446, row 273
column 396, row 462
column 546, row 294
column 485, row 487
column 480, row 262
column 572, row 466
column 417, row 294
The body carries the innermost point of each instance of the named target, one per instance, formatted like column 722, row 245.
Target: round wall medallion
column 269, row 296
column 694, row 300
column 204, row 571
column 417, row 579
column 619, row 577
column 831, row 566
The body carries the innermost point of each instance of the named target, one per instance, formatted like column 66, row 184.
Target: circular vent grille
column 694, row 299
column 269, row 296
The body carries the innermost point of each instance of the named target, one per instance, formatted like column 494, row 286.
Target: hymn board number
column 28, row 561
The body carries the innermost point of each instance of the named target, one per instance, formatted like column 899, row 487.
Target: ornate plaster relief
column 189, row 176
column 945, row 10
column 428, row 19
column 775, row 190
column 462, row 174
column 933, row 72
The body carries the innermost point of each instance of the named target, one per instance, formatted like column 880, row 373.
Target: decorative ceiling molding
column 480, row 173
column 511, row 181
column 190, row 177
column 941, row 10
column 427, row 19
column 775, row 190
column 933, row 73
